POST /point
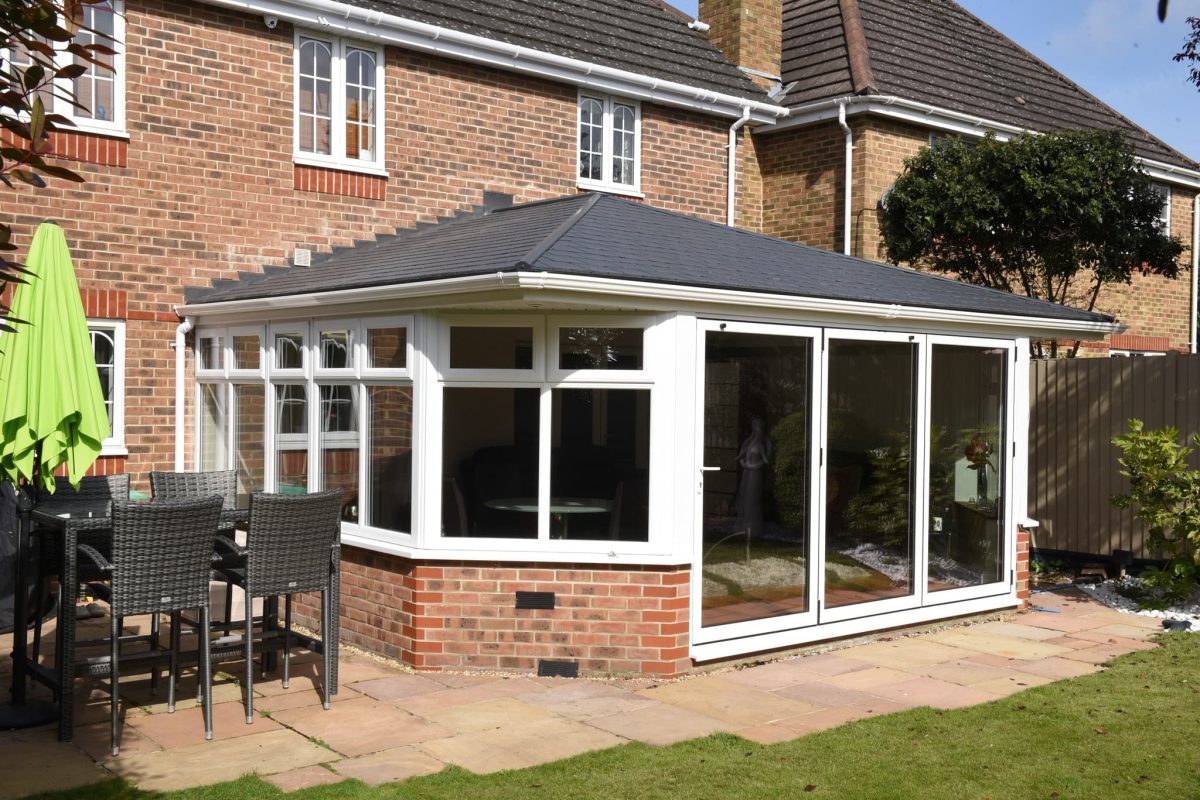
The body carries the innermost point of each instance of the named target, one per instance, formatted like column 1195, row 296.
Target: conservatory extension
column 590, row 431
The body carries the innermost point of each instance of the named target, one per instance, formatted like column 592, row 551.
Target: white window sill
column 108, row 450
column 341, row 165
column 610, row 188
column 89, row 126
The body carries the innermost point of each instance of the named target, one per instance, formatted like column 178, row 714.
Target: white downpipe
column 181, row 333
column 848, row 213
column 731, row 196
column 1195, row 262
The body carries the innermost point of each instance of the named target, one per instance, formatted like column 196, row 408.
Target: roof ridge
column 955, row 6
column 858, row 52
column 540, row 249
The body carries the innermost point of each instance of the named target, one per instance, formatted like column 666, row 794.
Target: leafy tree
column 1191, row 51
column 32, row 32
column 1054, row 216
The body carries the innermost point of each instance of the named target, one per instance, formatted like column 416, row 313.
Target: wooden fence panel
column 1076, row 407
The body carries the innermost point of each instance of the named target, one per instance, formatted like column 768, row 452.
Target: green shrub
column 1164, row 491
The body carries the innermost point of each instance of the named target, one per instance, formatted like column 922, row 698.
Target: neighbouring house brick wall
column 802, row 172
column 802, row 182
column 611, row 620
column 206, row 186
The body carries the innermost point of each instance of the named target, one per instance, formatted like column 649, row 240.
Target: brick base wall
column 461, row 615
column 1023, row 538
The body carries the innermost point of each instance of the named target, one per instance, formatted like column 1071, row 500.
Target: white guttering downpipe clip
column 847, row 212
column 731, row 189
column 181, row 333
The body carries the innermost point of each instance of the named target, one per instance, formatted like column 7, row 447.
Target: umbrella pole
column 20, row 713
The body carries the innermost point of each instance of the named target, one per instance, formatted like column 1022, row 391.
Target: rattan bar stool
column 162, row 555
column 291, row 547
column 92, row 489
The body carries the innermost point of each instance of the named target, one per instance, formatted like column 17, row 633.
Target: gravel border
column 1106, row 592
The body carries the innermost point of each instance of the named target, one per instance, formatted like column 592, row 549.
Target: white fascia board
column 490, row 552
column 944, row 119
column 641, row 291
column 376, row 26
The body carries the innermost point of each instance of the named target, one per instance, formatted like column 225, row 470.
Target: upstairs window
column 338, row 104
column 1164, row 217
column 609, row 143
column 100, row 90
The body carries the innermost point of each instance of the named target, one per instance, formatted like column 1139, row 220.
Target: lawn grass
column 1128, row 732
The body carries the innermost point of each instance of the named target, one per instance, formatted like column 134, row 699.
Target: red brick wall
column 802, row 173
column 462, row 615
column 1023, row 538
column 748, row 32
column 206, row 186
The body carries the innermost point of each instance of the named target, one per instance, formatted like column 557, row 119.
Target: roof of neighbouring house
column 936, row 52
column 647, row 37
column 600, row 236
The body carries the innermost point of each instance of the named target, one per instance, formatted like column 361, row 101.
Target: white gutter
column 1195, row 262
column 364, row 23
column 848, row 211
column 181, row 333
column 731, row 171
column 945, row 119
column 647, row 291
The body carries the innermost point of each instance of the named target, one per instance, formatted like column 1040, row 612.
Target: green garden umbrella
column 53, row 410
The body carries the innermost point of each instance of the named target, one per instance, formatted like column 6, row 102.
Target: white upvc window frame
column 660, row 537
column 114, row 445
column 606, row 183
column 1164, row 191
column 115, row 126
column 1120, row 353
column 337, row 157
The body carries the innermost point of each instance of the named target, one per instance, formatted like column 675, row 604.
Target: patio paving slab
column 397, row 686
column 519, row 746
column 966, row 673
column 823, row 720
column 736, row 705
column 821, row 695
column 487, row 714
column 1018, row 682
column 1006, row 646
column 218, row 761
column 360, row 726
column 1059, row 668
column 303, row 778
column 903, row 653
column 386, row 766
column 488, row 690
column 300, row 697
column 96, row 741
column 45, row 764
column 660, row 725
column 1098, row 654
column 187, row 726
column 1097, row 636
column 583, row 701
column 868, row 679
column 1067, row 623
column 829, row 664
column 770, row 676
column 1021, row 630
column 932, row 692
column 771, row 733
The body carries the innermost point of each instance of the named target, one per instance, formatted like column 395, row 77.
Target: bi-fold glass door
column 848, row 473
column 757, row 544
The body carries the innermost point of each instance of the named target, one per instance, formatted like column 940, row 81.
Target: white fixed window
column 338, row 103
column 100, row 91
column 108, row 347
column 609, row 143
column 1164, row 217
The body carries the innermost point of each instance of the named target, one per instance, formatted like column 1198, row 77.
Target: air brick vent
column 558, row 669
column 535, row 599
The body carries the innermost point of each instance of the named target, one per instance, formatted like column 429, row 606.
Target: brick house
column 904, row 74
column 470, row 262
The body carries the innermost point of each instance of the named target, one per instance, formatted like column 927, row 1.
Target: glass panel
column 966, row 475
column 212, row 352
column 491, row 348
column 624, row 136
column 291, row 439
column 245, row 351
column 386, row 348
column 390, row 457
column 490, row 462
column 105, row 352
column 337, row 349
column 360, row 104
column 249, row 439
column 289, row 350
column 600, row 464
column 591, row 138
column 316, row 88
column 868, row 491
column 600, row 348
column 757, row 509
column 212, row 427
column 94, row 90
column 338, row 442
